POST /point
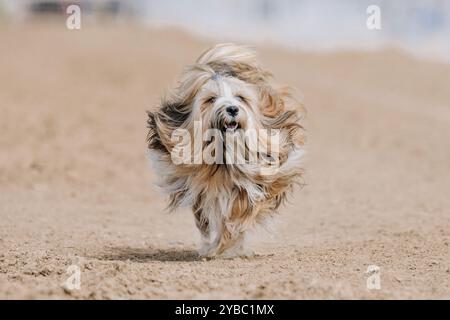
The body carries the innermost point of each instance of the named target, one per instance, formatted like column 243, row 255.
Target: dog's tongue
column 231, row 126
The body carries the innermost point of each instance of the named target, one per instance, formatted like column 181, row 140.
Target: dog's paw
column 238, row 252
column 208, row 251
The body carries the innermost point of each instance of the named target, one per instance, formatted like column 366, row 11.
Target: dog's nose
column 232, row 110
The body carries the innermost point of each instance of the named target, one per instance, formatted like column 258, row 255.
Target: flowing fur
column 227, row 199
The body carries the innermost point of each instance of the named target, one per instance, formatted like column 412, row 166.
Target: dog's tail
column 234, row 60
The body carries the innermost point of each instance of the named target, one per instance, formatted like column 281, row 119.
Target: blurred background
column 419, row 26
column 76, row 185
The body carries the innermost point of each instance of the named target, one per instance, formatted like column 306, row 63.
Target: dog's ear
column 161, row 123
column 175, row 108
column 153, row 137
column 282, row 110
column 280, row 106
column 271, row 105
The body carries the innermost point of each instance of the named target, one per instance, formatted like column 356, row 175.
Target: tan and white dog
column 227, row 142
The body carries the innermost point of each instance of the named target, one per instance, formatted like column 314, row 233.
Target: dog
column 222, row 96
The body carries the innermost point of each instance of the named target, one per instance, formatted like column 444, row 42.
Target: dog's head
column 226, row 103
column 227, row 91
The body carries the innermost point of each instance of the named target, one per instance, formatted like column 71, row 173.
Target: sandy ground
column 76, row 187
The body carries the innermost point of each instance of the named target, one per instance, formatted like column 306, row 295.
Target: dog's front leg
column 203, row 225
column 227, row 244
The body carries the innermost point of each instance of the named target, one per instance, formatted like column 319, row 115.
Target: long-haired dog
column 227, row 142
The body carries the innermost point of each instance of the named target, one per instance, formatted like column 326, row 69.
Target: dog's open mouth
column 231, row 126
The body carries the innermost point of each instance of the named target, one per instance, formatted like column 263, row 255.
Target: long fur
column 227, row 199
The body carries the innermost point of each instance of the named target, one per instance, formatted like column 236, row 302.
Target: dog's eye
column 210, row 100
column 239, row 97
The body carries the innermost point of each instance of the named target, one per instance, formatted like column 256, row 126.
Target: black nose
column 232, row 110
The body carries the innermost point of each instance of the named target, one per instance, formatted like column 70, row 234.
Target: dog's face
column 226, row 104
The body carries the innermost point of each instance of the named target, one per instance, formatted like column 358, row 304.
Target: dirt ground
column 76, row 187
